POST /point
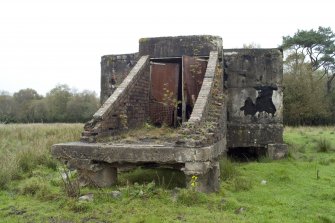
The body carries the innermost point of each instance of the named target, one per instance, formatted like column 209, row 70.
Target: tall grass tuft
column 323, row 145
column 227, row 169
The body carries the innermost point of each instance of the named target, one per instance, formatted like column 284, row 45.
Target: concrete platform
column 97, row 163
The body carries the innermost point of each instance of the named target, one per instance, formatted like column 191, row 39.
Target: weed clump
column 77, row 206
column 70, row 185
column 35, row 187
column 191, row 197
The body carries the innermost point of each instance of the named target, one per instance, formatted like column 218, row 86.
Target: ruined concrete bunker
column 216, row 100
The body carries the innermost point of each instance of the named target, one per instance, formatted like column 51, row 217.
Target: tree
column 25, row 95
column 57, row 100
column 82, row 106
column 23, row 98
column 7, row 107
column 304, row 99
column 317, row 47
column 38, row 111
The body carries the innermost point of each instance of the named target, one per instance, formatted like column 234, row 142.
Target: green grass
column 297, row 189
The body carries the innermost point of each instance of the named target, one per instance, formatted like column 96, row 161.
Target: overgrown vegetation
column 299, row 188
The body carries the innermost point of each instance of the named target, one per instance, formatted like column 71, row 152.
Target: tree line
column 309, row 76
column 61, row 104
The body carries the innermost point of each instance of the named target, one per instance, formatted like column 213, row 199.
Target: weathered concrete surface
column 253, row 67
column 254, row 135
column 180, row 45
column 277, row 151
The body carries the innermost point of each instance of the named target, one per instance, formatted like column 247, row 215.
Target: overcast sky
column 45, row 43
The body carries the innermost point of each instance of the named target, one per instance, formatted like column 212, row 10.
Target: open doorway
column 175, row 85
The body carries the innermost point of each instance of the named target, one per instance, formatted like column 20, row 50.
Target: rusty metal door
column 194, row 70
column 164, row 93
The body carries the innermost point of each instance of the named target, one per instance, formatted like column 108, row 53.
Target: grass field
column 300, row 188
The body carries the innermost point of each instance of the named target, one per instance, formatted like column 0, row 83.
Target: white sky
column 44, row 43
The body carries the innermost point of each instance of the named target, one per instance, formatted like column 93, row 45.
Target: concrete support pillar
column 94, row 174
column 104, row 177
column 277, row 151
column 207, row 176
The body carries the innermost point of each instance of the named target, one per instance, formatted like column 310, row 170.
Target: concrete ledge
column 132, row 153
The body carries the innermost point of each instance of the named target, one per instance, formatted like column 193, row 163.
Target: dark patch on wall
column 263, row 102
